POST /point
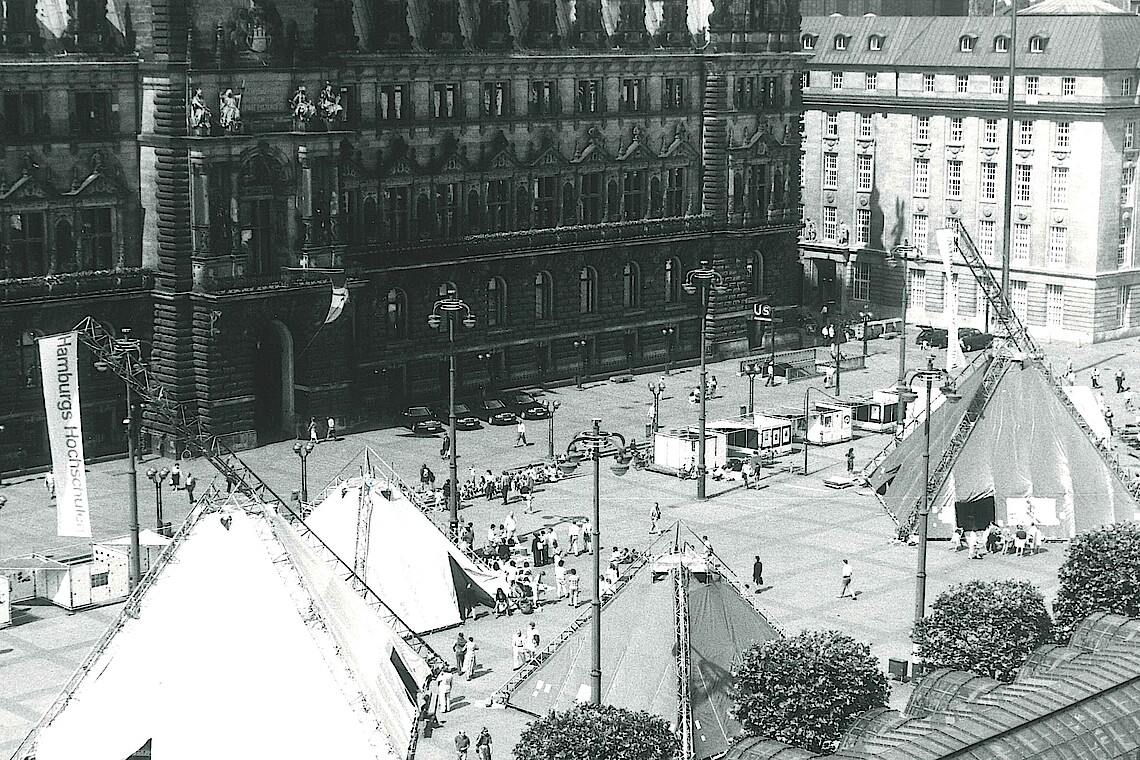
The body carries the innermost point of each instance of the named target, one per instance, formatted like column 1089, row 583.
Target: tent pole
column 924, row 512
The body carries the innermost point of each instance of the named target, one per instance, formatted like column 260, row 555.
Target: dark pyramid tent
column 641, row 654
column 1026, row 461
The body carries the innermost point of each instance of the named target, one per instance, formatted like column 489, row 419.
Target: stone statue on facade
column 328, row 105
column 199, row 117
column 809, row 230
column 229, row 111
column 302, row 108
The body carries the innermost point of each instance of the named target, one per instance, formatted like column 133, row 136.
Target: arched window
column 473, row 215
column 371, row 218
column 397, row 313
column 755, row 271
column 447, row 287
column 631, row 286
column 569, row 204
column 613, row 202
column 672, row 280
column 65, row 260
column 543, row 296
column 588, row 291
column 496, row 302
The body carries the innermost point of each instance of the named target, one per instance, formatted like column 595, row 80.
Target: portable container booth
column 759, row 435
column 69, row 579
column 151, row 545
column 673, row 449
column 878, row 414
column 828, row 424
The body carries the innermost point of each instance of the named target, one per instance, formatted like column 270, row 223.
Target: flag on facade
column 339, row 297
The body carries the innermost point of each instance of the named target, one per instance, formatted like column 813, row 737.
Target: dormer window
column 1001, row 44
column 1037, row 44
column 841, row 42
column 807, row 41
column 875, row 42
column 966, row 43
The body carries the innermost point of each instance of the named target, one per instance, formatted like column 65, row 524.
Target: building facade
column 561, row 171
column 905, row 133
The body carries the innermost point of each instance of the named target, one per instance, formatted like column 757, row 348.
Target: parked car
column 421, row 421
column 465, row 419
column 524, row 405
column 493, row 411
column 970, row 338
column 935, row 337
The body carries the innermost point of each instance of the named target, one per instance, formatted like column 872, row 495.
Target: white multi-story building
column 905, row 130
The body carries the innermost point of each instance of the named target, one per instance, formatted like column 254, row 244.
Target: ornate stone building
column 561, row 166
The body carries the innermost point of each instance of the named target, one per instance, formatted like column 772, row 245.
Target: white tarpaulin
column 1085, row 401
column 59, row 370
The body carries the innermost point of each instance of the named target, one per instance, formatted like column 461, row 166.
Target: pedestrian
column 770, row 371
column 709, row 553
column 1108, row 420
column 462, row 744
column 520, row 430
column 511, row 526
column 425, row 475
column 573, row 584
column 1128, row 399
column 650, row 420
column 587, row 533
column 1119, row 377
column 176, row 476
column 1096, row 377
column 49, row 484
column 313, row 429
column 850, row 460
column 758, row 573
column 536, row 544
column 1071, row 378
column 330, row 435
column 507, row 485
column 431, row 704
column 460, row 649
column 560, row 578
column 536, row 588
column 654, row 517
column 529, row 503
column 532, row 639
column 443, row 702
column 469, row 663
column 445, row 447
column 191, row 484
column 483, row 745
column 712, row 386
column 846, row 587
column 1069, row 366
column 551, row 547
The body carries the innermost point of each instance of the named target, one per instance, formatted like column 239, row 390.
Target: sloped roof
column 1072, row 8
column 1074, row 42
column 1085, row 706
column 241, row 643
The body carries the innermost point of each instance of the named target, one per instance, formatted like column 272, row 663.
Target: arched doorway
column 273, row 410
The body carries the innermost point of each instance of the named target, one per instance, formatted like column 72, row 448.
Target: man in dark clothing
column 758, row 574
column 850, row 460
column 1119, row 377
column 462, row 744
column 536, row 547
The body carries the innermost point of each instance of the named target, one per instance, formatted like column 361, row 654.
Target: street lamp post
column 158, row 477
column 3, row 501
column 449, row 309
column 928, row 375
column 551, row 408
column 706, row 281
column 752, row 368
column 667, row 333
column 807, row 425
column 592, row 442
column 656, row 388
column 866, row 316
column 580, row 345
column 302, row 452
column 486, row 356
column 899, row 254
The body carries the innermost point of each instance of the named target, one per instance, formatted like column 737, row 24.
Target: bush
column 597, row 732
column 987, row 627
column 1101, row 574
column 806, row 690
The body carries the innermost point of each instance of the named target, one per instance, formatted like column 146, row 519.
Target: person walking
column 587, row 535
column 1119, row 377
column 848, row 573
column 445, row 447
column 1096, row 377
column 518, row 650
column 49, row 484
column 532, row 639
column 330, row 433
column 758, row 574
column 483, row 745
column 850, row 460
column 191, row 484
column 460, row 649
column 654, row 518
column 770, row 371
column 313, row 429
column 443, row 703
column 573, row 586
column 520, row 437
column 176, row 476
column 560, row 579
column 462, row 744
column 574, row 537
column 469, row 663
column 511, row 526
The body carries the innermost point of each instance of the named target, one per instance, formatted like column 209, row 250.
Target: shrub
column 1101, row 574
column 597, row 732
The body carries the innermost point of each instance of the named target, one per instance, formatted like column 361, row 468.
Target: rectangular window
column 543, row 99
column 92, row 114
column 746, row 94
column 862, row 226
column 397, row 207
column 830, row 225
column 831, row 170
column 1126, row 87
column 499, row 205
column 1020, row 292
column 1059, row 186
column 1129, row 135
column 957, row 129
column 864, row 172
column 1054, row 305
column 1124, row 242
column 953, row 178
column 445, row 101
column 495, row 99
column 1058, row 243
column 447, row 208
column 633, row 98
column 871, row 81
column 1068, row 86
column 22, row 114
column 986, row 230
column 633, row 194
column 675, row 192
column 997, row 85
column 589, row 96
column 1061, row 135
column 922, row 176
column 1025, row 135
column 673, row 94
column 837, row 80
column 1033, row 85
column 26, row 254
column 1123, row 305
column 919, row 227
column 98, row 580
column 990, row 132
column 865, row 126
column 392, row 106
column 96, row 242
column 1020, row 241
column 805, row 80
column 861, row 282
column 591, row 196
column 1127, row 182
column 962, row 82
column 988, row 188
column 928, row 83
column 917, row 296
column 1021, row 188
column 545, row 202
column 922, row 129
column 831, row 125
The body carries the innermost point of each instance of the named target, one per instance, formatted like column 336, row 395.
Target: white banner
column 59, row 367
column 954, row 357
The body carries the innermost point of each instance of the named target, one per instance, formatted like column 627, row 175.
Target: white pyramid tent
column 407, row 560
column 241, row 643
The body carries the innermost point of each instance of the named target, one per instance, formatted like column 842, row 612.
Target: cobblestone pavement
column 800, row 528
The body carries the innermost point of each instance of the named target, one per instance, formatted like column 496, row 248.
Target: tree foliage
column 987, row 627
column 806, row 690
column 597, row 732
column 1101, row 574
